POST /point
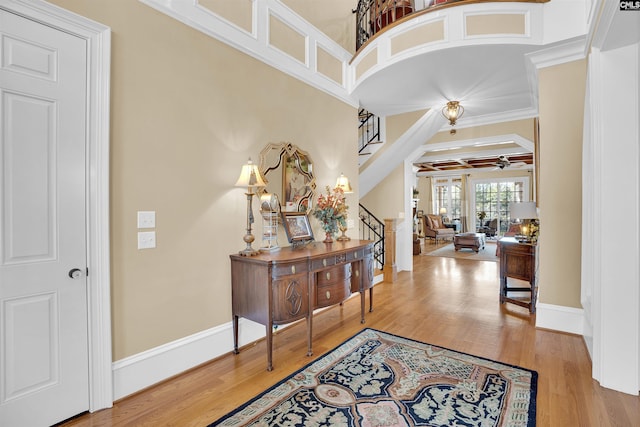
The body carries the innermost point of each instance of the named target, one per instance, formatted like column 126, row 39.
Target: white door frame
column 98, row 39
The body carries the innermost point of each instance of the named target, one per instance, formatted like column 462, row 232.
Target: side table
column 518, row 261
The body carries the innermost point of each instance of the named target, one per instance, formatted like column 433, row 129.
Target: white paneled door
column 44, row 375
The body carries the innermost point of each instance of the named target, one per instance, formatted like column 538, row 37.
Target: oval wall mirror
column 288, row 172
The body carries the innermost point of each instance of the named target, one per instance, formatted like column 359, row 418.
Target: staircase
column 369, row 135
column 373, row 229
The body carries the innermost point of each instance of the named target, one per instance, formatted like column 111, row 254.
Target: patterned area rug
column 486, row 254
column 379, row 379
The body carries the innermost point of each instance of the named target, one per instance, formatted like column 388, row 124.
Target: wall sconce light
column 452, row 112
column 251, row 178
column 345, row 185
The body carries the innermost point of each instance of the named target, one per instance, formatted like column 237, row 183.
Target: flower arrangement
column 331, row 211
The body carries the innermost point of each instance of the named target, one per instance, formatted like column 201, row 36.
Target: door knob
column 75, row 273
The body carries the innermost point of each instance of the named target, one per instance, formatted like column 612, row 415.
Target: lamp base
column 343, row 237
column 248, row 239
column 248, row 252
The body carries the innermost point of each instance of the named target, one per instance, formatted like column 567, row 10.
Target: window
column 493, row 198
column 447, row 195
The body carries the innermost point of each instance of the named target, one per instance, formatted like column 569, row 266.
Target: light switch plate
column 146, row 239
column 146, row 219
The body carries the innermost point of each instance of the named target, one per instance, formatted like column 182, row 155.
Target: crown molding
column 559, row 53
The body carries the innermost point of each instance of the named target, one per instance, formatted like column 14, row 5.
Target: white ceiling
column 486, row 79
column 489, row 81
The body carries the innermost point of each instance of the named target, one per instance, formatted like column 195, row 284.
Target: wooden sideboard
column 288, row 285
column 519, row 261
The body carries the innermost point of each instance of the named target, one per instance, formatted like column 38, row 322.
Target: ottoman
column 473, row 241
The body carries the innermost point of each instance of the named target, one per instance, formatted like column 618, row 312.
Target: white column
column 612, row 293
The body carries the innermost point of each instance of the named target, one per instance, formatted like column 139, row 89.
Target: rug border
column 432, row 253
column 531, row 422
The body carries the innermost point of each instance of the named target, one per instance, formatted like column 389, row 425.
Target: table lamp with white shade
column 251, row 178
column 345, row 185
column 528, row 214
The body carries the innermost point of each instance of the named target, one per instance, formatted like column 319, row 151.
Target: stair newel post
column 390, row 269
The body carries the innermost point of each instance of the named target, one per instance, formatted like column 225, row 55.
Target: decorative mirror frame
column 295, row 164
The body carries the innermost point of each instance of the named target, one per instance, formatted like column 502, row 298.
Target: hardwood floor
column 447, row 302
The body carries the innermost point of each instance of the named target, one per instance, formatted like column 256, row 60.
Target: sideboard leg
column 371, row 299
column 235, row 334
column 270, row 347
column 309, row 334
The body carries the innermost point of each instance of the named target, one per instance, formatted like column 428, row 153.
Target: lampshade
column 443, row 211
column 250, row 176
column 523, row 210
column 344, row 184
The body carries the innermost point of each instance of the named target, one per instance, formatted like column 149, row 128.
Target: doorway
column 95, row 163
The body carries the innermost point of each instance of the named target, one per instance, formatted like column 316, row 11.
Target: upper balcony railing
column 374, row 15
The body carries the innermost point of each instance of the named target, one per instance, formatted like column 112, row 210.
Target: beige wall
column 332, row 17
column 562, row 92
column 524, row 128
column 386, row 200
column 187, row 111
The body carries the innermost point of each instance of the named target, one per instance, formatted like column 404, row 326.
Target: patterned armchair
column 435, row 229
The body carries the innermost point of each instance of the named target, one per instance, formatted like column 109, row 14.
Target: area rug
column 486, row 254
column 379, row 379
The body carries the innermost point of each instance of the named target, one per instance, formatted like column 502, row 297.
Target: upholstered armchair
column 490, row 228
column 435, row 229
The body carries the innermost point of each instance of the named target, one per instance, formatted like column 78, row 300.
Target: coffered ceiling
column 469, row 160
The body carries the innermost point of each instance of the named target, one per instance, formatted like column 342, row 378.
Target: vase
column 328, row 237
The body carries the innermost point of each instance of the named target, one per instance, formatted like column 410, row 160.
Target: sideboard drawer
column 324, row 262
column 355, row 255
column 332, row 293
column 333, row 285
column 335, row 274
column 290, row 268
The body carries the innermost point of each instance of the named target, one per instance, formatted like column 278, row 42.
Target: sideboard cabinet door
column 290, row 298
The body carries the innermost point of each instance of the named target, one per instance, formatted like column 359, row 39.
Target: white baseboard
column 560, row 318
column 145, row 369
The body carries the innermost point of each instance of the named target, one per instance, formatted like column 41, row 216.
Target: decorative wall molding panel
column 319, row 61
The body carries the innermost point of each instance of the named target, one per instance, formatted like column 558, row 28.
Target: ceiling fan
column 503, row 162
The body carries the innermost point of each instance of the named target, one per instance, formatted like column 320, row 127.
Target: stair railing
column 368, row 130
column 373, row 229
